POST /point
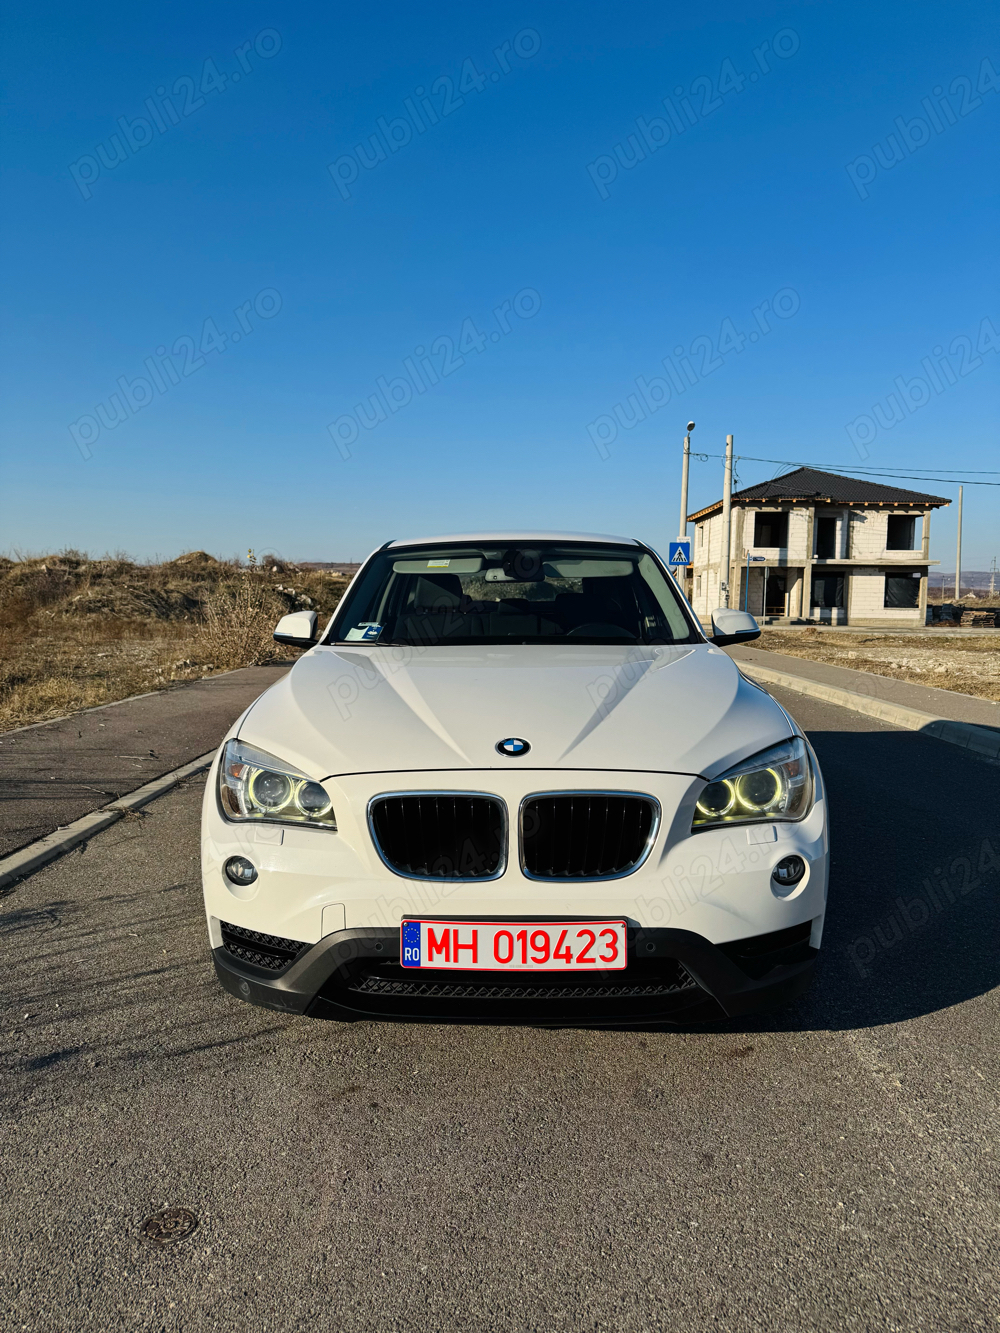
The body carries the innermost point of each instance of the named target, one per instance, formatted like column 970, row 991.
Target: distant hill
column 977, row 580
column 975, row 587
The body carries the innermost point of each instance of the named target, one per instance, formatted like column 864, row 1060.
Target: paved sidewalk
column 942, row 703
column 53, row 773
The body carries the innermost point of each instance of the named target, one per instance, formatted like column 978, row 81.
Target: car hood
column 684, row 709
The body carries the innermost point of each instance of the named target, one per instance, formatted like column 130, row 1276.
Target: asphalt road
column 833, row 1167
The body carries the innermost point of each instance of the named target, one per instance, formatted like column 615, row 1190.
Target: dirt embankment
column 76, row 632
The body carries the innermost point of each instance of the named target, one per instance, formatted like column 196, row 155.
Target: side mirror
column 298, row 630
column 730, row 626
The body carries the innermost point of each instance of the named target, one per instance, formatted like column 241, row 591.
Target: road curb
column 979, row 740
column 56, row 844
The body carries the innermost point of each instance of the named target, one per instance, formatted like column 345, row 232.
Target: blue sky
column 566, row 222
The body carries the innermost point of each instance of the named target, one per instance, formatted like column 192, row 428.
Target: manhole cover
column 170, row 1225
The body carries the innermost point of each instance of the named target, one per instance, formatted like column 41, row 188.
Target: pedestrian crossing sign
column 680, row 553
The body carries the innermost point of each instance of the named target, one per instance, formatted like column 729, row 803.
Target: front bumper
column 672, row 975
column 709, row 937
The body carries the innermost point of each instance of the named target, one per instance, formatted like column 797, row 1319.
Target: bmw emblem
column 513, row 747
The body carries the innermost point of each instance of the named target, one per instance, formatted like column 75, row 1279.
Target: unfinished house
column 813, row 546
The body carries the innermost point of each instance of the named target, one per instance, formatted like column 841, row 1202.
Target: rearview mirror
column 298, row 630
column 731, row 626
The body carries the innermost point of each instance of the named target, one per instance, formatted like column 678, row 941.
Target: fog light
column 241, row 871
column 789, row 871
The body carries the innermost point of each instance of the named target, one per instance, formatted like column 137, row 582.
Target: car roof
column 514, row 536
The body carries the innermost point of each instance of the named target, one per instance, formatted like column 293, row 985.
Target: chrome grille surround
column 500, row 806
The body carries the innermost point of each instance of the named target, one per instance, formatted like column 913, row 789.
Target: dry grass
column 969, row 664
column 238, row 623
column 76, row 632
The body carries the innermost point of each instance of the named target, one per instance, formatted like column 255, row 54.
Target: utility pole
column 958, row 552
column 682, row 530
column 993, row 576
column 727, row 519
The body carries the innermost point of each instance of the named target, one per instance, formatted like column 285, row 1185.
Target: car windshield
column 543, row 593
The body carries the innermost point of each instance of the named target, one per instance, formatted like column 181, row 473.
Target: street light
column 683, row 530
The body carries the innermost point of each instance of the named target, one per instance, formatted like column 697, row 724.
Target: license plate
column 514, row 946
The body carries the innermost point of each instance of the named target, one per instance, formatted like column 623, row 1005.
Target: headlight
column 776, row 784
column 253, row 785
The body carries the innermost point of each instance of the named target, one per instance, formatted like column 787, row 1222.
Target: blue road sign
column 680, row 553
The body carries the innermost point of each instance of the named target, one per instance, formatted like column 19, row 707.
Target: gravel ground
column 970, row 665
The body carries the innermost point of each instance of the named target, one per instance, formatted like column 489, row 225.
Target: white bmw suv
column 513, row 779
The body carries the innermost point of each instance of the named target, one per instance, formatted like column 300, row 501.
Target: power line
column 980, row 472
column 894, row 473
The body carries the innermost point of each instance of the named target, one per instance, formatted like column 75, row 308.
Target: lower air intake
column 254, row 946
column 443, row 835
column 586, row 835
column 672, row 979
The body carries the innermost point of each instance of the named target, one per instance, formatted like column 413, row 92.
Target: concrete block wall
column 706, row 552
column 798, row 536
column 866, row 601
column 707, row 546
column 868, row 533
column 706, row 597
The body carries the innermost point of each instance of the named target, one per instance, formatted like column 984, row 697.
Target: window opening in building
column 828, row 590
column 826, row 538
column 899, row 534
column 770, row 529
column 902, row 590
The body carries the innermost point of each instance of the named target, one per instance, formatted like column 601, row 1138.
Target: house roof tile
column 806, row 483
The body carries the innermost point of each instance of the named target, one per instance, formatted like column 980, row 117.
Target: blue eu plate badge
column 411, row 943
